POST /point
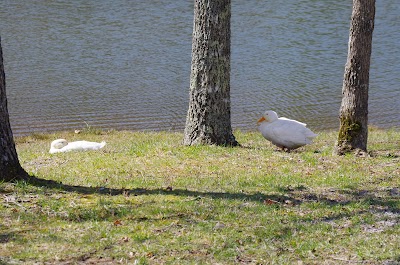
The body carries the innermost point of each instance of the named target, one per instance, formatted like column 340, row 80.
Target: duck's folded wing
column 301, row 123
column 85, row 145
column 290, row 133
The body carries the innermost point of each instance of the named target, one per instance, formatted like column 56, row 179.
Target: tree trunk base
column 347, row 149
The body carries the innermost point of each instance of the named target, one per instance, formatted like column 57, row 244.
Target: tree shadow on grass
column 51, row 184
column 289, row 196
column 383, row 201
column 387, row 198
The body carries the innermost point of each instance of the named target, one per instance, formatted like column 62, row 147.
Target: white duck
column 283, row 132
column 62, row 145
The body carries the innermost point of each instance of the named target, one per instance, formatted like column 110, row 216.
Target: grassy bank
column 146, row 199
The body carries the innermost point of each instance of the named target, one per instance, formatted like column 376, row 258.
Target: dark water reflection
column 126, row 64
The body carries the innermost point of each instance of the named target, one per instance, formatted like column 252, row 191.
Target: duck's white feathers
column 284, row 132
column 62, row 145
column 299, row 122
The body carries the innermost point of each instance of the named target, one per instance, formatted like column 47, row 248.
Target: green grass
column 147, row 199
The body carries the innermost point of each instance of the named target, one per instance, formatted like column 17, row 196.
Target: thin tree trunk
column 10, row 168
column 353, row 132
column 209, row 116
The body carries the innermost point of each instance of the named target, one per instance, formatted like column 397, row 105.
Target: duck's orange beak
column 261, row 120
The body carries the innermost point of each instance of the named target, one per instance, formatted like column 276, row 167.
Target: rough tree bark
column 209, row 116
column 10, row 168
column 353, row 132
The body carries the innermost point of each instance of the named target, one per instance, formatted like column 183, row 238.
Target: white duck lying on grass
column 283, row 132
column 62, row 145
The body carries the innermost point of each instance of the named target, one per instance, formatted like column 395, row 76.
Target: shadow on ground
column 387, row 198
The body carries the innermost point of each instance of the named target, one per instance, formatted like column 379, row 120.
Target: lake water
column 126, row 64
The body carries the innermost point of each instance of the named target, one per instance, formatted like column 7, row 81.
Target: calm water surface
column 126, row 64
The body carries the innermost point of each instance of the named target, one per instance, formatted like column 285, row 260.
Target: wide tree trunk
column 209, row 116
column 10, row 168
column 353, row 132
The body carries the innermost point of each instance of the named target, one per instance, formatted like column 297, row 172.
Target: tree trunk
column 209, row 116
column 10, row 168
column 353, row 132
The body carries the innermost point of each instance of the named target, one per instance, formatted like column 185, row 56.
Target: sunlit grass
column 148, row 199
